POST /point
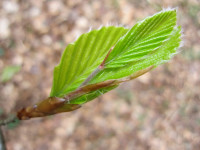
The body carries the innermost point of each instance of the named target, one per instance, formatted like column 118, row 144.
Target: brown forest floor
column 158, row 111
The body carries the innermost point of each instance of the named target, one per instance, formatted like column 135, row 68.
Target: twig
column 8, row 120
column 2, row 141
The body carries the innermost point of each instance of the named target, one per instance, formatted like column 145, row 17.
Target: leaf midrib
column 85, row 71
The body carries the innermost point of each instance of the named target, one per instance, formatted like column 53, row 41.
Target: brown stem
column 8, row 120
column 2, row 141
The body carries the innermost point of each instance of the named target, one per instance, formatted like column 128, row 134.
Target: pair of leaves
column 82, row 57
column 148, row 43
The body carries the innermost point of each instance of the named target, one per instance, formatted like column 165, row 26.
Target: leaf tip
column 175, row 9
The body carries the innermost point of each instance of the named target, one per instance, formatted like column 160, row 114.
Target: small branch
column 9, row 120
column 2, row 141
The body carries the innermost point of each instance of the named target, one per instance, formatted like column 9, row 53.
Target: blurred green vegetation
column 1, row 52
column 8, row 72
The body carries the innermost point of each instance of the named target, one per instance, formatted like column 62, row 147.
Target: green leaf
column 9, row 72
column 142, row 39
column 163, row 54
column 89, row 67
column 83, row 56
column 149, row 43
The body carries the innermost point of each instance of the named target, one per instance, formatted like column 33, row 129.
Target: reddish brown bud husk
column 49, row 106
column 54, row 105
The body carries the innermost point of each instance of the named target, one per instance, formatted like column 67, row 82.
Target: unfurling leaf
column 148, row 43
column 102, row 59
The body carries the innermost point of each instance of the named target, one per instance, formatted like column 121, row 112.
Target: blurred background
column 158, row 111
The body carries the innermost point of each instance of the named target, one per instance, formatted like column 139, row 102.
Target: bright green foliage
column 150, row 42
column 142, row 39
column 83, row 56
column 152, row 46
column 9, row 72
column 162, row 55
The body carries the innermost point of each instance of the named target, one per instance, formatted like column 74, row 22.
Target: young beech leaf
column 151, row 47
column 82, row 57
column 142, row 39
column 147, row 44
column 89, row 67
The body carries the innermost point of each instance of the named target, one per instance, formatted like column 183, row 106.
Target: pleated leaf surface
column 82, row 57
column 163, row 54
column 142, row 39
